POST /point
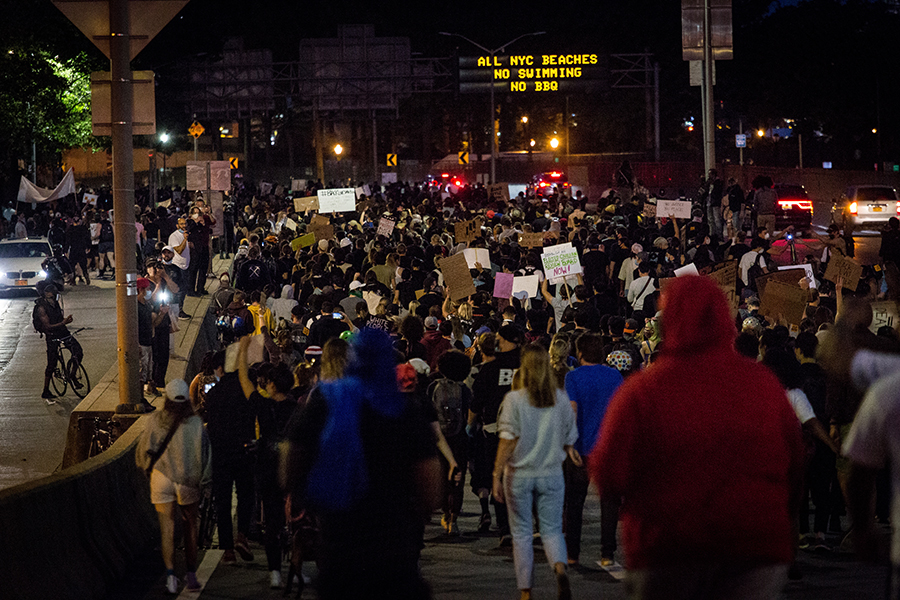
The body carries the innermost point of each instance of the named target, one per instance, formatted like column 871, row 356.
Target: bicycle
column 69, row 369
column 103, row 434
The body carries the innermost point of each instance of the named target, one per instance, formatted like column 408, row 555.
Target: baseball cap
column 169, row 248
column 431, row 323
column 177, row 391
column 637, row 248
column 356, row 284
column 346, row 242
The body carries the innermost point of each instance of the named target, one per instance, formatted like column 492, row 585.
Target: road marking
column 211, row 560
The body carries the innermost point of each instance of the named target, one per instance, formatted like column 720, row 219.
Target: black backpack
column 448, row 402
column 106, row 232
column 756, row 270
column 36, row 319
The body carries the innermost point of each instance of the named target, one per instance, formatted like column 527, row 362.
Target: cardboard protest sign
column 783, row 299
column 306, row 203
column 528, row 284
column 91, row 199
column 884, row 314
column 503, row 285
column 531, row 240
column 841, row 266
column 386, row 227
column 419, row 294
column 649, row 210
column 725, row 274
column 499, row 191
column 807, row 272
column 466, row 231
column 337, row 200
column 457, row 276
column 673, row 208
column 790, row 277
column 477, row 255
column 560, row 261
column 322, row 228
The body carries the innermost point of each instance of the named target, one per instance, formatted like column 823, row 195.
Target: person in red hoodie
column 706, row 453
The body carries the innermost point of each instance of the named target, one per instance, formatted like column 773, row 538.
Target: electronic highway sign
column 533, row 73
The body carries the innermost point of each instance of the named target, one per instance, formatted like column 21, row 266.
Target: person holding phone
column 330, row 324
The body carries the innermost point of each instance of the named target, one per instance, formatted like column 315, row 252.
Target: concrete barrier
column 71, row 534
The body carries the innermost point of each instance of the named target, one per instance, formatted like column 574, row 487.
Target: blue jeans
column 548, row 494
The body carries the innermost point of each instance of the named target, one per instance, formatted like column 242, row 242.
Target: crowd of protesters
column 362, row 393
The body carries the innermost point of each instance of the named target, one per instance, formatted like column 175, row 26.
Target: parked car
column 867, row 205
column 21, row 262
column 793, row 208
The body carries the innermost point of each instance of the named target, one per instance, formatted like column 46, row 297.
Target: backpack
column 36, row 319
column 106, row 232
column 755, row 270
column 448, row 402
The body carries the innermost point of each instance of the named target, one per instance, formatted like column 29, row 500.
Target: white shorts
column 163, row 491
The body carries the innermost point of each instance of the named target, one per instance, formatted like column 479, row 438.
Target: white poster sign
column 337, row 200
column 679, row 209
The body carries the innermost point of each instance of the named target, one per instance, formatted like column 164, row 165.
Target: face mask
column 765, row 237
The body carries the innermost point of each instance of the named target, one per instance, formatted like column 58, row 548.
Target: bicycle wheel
column 78, row 377
column 59, row 382
column 207, row 523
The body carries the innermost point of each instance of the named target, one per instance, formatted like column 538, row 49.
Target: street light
column 554, row 143
column 492, row 122
column 338, row 149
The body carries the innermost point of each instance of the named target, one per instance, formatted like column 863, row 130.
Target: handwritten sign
column 679, row 209
column 688, row 269
column 528, row 284
column 531, row 240
column 884, row 314
column 337, row 200
column 500, row 191
column 386, row 227
column 503, row 285
column 840, row 266
column 457, row 276
column 466, row 231
column 725, row 275
column 807, row 272
column 306, row 203
column 649, row 210
column 91, row 199
column 477, row 255
column 783, row 299
column 560, row 261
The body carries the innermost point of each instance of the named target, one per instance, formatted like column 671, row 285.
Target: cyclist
column 53, row 326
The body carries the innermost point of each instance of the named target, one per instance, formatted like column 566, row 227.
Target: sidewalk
column 472, row 566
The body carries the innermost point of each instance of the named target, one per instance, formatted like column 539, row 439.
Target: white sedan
column 21, row 262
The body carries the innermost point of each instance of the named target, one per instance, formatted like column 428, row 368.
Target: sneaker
column 229, row 558
column 240, row 545
column 172, row 584
column 607, row 561
column 183, row 316
column 804, row 542
column 275, row 580
column 191, row 583
column 484, row 525
column 48, row 396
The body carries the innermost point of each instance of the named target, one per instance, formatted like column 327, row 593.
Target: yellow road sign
column 196, row 129
column 463, row 157
column 392, row 160
column 233, row 160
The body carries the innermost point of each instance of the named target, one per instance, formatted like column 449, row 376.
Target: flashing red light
column 555, row 175
column 445, row 175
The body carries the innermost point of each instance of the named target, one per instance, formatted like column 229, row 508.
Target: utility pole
column 709, row 125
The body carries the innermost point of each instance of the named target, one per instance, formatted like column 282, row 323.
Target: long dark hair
column 179, row 411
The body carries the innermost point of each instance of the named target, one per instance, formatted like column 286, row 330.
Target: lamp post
column 493, row 120
column 163, row 139
column 338, row 150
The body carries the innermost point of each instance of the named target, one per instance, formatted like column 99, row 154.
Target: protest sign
column 673, row 208
column 477, row 255
column 783, row 299
column 306, row 203
column 725, row 274
column 531, row 240
column 807, row 272
column 419, row 294
column 840, row 266
column 528, row 284
column 649, row 210
column 503, row 285
column 385, row 227
column 91, row 199
column 466, row 231
column 457, row 276
column 499, row 191
column 688, row 269
column 560, row 261
column 322, row 228
column 303, row 241
column 388, row 178
column 290, row 224
column 298, row 185
column 337, row 200
column 884, row 314
column 790, row 277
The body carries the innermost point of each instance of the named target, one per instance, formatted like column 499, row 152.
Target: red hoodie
column 703, row 446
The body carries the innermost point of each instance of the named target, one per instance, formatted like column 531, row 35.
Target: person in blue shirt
column 590, row 388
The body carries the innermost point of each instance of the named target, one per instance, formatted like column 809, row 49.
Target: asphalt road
column 33, row 434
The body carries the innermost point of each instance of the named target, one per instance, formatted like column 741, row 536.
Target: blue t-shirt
column 591, row 387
